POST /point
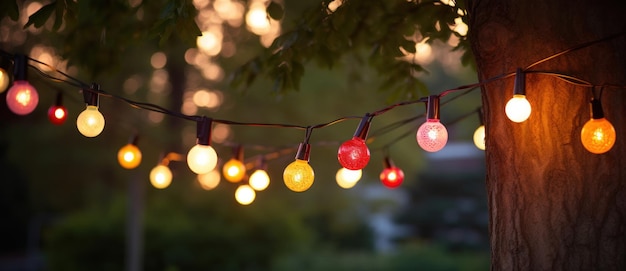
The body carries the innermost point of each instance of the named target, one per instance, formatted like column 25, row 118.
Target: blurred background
column 67, row 204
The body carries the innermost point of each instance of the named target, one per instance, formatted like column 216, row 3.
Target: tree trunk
column 553, row 205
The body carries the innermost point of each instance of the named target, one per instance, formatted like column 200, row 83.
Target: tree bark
column 553, row 205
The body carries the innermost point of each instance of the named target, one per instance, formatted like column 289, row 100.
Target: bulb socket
column 387, row 163
column 520, row 82
column 481, row 115
column 203, row 131
column 304, row 150
column 596, row 109
column 432, row 111
column 364, row 127
column 20, row 67
column 91, row 96
column 238, row 153
column 134, row 139
column 59, row 100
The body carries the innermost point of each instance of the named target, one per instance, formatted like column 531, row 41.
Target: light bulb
column 161, row 176
column 90, row 122
column 259, row 180
column 598, row 135
column 518, row 108
column 201, row 159
column 5, row 79
column 353, row 154
column 22, row 98
column 392, row 177
column 210, row 180
column 432, row 136
column 347, row 178
column 57, row 114
column 234, row 170
column 129, row 156
column 298, row 176
column 479, row 137
column 245, row 194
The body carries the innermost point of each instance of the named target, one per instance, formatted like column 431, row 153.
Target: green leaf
column 40, row 17
column 275, row 11
column 9, row 7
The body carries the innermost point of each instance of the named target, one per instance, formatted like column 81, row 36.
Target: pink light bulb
column 353, row 154
column 22, row 98
column 432, row 136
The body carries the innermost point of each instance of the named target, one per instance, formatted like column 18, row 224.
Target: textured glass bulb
column 201, row 159
column 432, row 136
column 57, row 114
column 234, row 170
column 129, row 156
column 518, row 108
column 22, row 98
column 392, row 177
column 245, row 194
column 298, row 176
column 4, row 80
column 210, row 180
column 598, row 135
column 479, row 137
column 259, row 180
column 160, row 176
column 353, row 154
column 90, row 122
column 347, row 178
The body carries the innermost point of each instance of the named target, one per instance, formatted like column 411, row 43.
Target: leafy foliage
column 381, row 28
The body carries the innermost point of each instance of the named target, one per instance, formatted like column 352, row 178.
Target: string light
column 202, row 158
column 161, row 176
column 57, row 113
column 479, row 134
column 90, row 122
column 353, row 154
column 598, row 134
column 518, row 108
column 432, row 136
column 245, row 194
column 347, row 178
column 22, row 98
column 391, row 176
column 129, row 156
column 5, row 77
column 299, row 176
column 234, row 170
column 209, row 181
column 260, row 180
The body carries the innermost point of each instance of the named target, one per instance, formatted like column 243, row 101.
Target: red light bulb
column 353, row 154
column 22, row 98
column 392, row 177
column 57, row 114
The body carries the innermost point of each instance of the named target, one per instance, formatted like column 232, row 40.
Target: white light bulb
column 90, row 122
column 479, row 137
column 160, row 176
column 518, row 108
column 201, row 159
column 347, row 178
column 259, row 180
column 245, row 194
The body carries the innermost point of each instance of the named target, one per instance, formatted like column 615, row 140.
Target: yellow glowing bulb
column 129, row 156
column 298, row 176
column 259, row 180
column 90, row 122
column 234, row 170
column 160, row 176
column 347, row 178
column 518, row 108
column 479, row 137
column 210, row 180
column 4, row 80
column 201, row 159
column 245, row 194
column 598, row 135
